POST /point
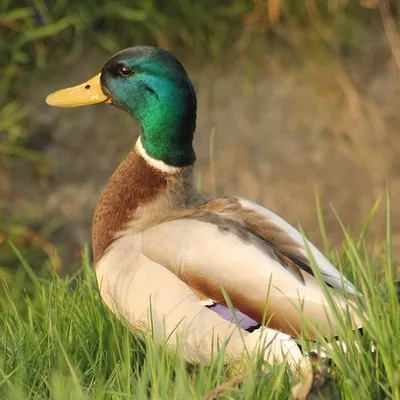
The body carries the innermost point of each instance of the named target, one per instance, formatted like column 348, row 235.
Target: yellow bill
column 85, row 94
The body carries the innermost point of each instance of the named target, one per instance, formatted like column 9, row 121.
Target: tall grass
column 59, row 341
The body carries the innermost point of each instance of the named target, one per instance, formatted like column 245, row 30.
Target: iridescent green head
column 151, row 85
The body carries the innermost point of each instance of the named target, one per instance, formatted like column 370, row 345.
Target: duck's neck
column 141, row 192
column 168, row 136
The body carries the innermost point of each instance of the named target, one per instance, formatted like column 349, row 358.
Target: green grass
column 59, row 341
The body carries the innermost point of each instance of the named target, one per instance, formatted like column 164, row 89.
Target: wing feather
column 283, row 242
column 330, row 274
column 208, row 258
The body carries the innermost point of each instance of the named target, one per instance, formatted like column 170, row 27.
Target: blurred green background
column 295, row 96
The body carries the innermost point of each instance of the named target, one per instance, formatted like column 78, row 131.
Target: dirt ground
column 280, row 133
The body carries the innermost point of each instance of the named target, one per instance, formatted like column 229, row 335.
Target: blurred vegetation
column 37, row 33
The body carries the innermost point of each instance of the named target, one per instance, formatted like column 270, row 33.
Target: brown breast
column 134, row 183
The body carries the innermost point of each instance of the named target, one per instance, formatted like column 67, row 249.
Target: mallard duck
column 191, row 270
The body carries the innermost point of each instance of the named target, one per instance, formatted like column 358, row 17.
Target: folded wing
column 253, row 255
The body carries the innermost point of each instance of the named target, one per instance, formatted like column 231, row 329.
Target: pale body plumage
column 164, row 264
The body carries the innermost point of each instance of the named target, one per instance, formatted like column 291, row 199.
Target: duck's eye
column 125, row 71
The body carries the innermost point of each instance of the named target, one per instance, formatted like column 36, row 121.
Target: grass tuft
column 60, row 341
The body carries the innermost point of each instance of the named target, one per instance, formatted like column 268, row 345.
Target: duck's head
column 151, row 85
